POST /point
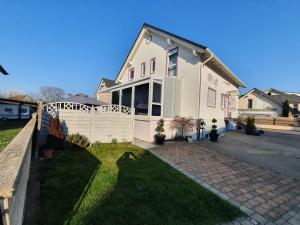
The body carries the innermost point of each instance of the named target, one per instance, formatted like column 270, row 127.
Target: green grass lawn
column 124, row 185
column 8, row 130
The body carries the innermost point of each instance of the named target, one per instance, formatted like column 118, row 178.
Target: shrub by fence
column 14, row 169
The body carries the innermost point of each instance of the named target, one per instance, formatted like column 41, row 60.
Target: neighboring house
column 14, row 109
column 267, row 103
column 104, row 96
column 83, row 99
column 3, row 71
column 165, row 75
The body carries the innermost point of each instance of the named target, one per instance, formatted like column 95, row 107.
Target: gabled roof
column 83, row 99
column 291, row 98
column 214, row 63
column 108, row 82
column 262, row 94
column 274, row 90
column 280, row 98
column 3, row 71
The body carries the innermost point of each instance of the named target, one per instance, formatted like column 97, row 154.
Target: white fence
column 102, row 123
column 14, row 171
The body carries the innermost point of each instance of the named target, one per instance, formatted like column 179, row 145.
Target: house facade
column 267, row 103
column 165, row 75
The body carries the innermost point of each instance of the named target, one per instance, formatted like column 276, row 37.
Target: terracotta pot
column 48, row 153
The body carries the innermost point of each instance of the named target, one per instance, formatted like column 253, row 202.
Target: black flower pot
column 250, row 131
column 160, row 138
column 213, row 136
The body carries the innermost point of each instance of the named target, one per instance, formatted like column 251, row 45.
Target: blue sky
column 72, row 44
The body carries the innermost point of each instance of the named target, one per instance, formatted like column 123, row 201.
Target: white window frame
column 171, row 66
column 208, row 103
column 156, row 103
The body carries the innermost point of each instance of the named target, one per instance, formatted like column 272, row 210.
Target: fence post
column 39, row 126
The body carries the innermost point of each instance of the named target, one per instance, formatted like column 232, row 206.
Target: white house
column 165, row 75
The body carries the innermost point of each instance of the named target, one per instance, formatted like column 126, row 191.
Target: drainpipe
column 200, row 77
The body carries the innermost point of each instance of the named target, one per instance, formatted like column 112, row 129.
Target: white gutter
column 200, row 77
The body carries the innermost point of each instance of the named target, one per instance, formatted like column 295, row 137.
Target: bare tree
column 52, row 94
column 183, row 124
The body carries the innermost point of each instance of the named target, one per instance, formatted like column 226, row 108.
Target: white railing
column 54, row 107
column 113, row 108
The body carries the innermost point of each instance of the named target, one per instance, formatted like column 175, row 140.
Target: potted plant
column 160, row 137
column 190, row 139
column 250, row 127
column 213, row 135
column 182, row 124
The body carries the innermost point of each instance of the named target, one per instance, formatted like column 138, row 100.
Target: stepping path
column 266, row 197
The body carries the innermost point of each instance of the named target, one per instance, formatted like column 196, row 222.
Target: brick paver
column 267, row 197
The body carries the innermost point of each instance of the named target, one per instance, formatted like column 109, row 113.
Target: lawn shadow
column 65, row 180
column 148, row 191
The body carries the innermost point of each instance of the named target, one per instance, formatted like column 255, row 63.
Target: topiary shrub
column 250, row 127
column 78, row 140
column 56, row 136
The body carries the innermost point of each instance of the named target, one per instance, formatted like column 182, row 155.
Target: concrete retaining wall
column 14, row 169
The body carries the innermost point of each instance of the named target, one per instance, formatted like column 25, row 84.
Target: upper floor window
column 152, row 65
column 131, row 74
column 172, row 62
column 211, row 97
column 143, row 69
column 250, row 102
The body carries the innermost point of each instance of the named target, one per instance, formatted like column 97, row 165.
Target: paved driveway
column 267, row 197
column 276, row 151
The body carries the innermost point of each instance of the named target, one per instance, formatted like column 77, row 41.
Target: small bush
column 56, row 136
column 78, row 140
column 160, row 126
column 250, row 123
column 114, row 141
column 214, row 126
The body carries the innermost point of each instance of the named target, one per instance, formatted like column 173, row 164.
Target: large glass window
column 211, row 97
column 126, row 97
column 115, row 97
column 156, row 99
column 156, row 92
column 141, row 99
column 172, row 62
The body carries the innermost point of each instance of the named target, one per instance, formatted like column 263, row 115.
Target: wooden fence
column 14, row 169
column 277, row 121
